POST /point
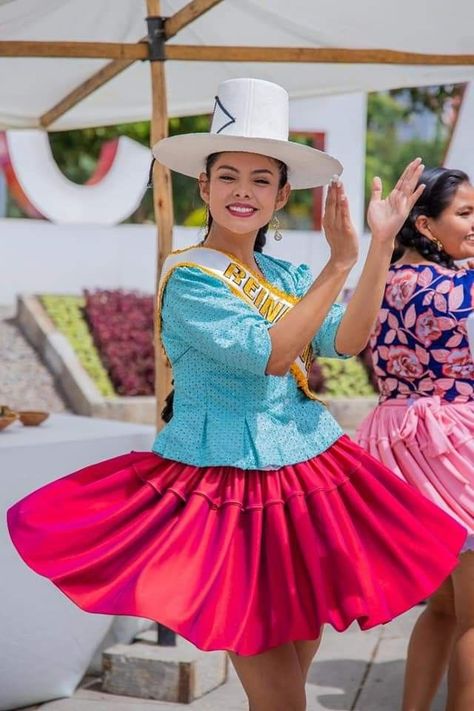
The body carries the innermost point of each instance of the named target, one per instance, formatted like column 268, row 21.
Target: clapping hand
column 386, row 216
column 338, row 228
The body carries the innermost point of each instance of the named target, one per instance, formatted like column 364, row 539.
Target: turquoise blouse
column 226, row 410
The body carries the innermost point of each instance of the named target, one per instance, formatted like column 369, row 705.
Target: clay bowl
column 6, row 420
column 32, row 418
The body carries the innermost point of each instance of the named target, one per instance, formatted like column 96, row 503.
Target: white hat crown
column 250, row 116
column 251, row 108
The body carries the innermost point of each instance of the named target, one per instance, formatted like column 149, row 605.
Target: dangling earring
column 275, row 225
column 204, row 229
column 434, row 239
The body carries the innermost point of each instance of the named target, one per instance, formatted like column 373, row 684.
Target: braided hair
column 260, row 240
column 441, row 185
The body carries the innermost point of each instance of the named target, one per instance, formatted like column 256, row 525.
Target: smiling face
column 243, row 191
column 454, row 227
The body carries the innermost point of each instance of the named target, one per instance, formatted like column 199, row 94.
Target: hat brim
column 187, row 154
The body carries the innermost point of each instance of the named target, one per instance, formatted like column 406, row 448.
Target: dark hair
column 261, row 238
column 441, row 185
column 167, row 411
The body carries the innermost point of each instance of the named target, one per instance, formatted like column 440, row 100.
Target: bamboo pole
column 130, row 53
column 163, row 207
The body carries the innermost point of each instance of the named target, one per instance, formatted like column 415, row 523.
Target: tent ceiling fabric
column 30, row 86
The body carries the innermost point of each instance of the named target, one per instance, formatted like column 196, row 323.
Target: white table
column 48, row 642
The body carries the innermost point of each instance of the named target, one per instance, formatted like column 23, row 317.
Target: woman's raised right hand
column 338, row 228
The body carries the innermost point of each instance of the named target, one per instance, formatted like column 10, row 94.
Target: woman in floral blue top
column 423, row 428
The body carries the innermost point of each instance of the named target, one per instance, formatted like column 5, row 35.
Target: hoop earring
column 275, row 225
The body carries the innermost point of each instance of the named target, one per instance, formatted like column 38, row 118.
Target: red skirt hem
column 239, row 560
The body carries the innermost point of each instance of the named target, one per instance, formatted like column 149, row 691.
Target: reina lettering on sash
column 271, row 303
column 268, row 306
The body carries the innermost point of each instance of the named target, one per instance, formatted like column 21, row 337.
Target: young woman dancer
column 254, row 520
column 423, row 428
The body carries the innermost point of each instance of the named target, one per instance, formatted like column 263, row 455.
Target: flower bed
column 345, row 378
column 67, row 314
column 121, row 324
column 112, row 333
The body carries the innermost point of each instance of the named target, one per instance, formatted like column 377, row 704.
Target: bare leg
column 461, row 668
column 306, row 651
column 429, row 649
column 273, row 680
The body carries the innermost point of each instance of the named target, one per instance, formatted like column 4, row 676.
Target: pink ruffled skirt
column 239, row 560
column 428, row 443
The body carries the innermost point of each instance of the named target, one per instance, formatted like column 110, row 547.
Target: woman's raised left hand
column 386, row 216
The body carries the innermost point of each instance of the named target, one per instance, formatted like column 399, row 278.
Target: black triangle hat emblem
column 221, row 115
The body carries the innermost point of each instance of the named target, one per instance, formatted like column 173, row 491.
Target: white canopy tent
column 56, row 70
column 30, row 87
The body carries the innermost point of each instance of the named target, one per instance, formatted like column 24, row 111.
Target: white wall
column 343, row 119
column 460, row 154
column 39, row 257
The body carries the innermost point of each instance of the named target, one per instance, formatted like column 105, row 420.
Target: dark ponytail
column 260, row 240
column 441, row 185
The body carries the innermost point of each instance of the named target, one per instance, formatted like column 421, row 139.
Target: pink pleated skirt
column 429, row 443
column 239, row 560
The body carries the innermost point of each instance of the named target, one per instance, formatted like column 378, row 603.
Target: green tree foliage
column 432, row 98
column 383, row 116
column 387, row 154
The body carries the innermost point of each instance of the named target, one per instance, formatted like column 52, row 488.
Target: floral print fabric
column 419, row 346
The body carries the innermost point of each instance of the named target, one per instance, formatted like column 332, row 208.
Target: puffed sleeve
column 201, row 311
column 324, row 340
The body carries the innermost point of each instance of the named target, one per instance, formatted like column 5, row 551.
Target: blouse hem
column 268, row 466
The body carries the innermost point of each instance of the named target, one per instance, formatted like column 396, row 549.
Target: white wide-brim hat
column 250, row 116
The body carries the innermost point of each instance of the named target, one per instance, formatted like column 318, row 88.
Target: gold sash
column 271, row 303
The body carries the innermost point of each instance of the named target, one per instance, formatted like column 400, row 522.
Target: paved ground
column 354, row 671
column 25, row 383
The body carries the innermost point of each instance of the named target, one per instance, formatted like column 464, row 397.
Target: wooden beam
column 105, row 50
column 76, row 50
column 163, row 207
column 82, row 91
column 225, row 53
column 310, row 55
column 187, row 14
column 183, row 17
